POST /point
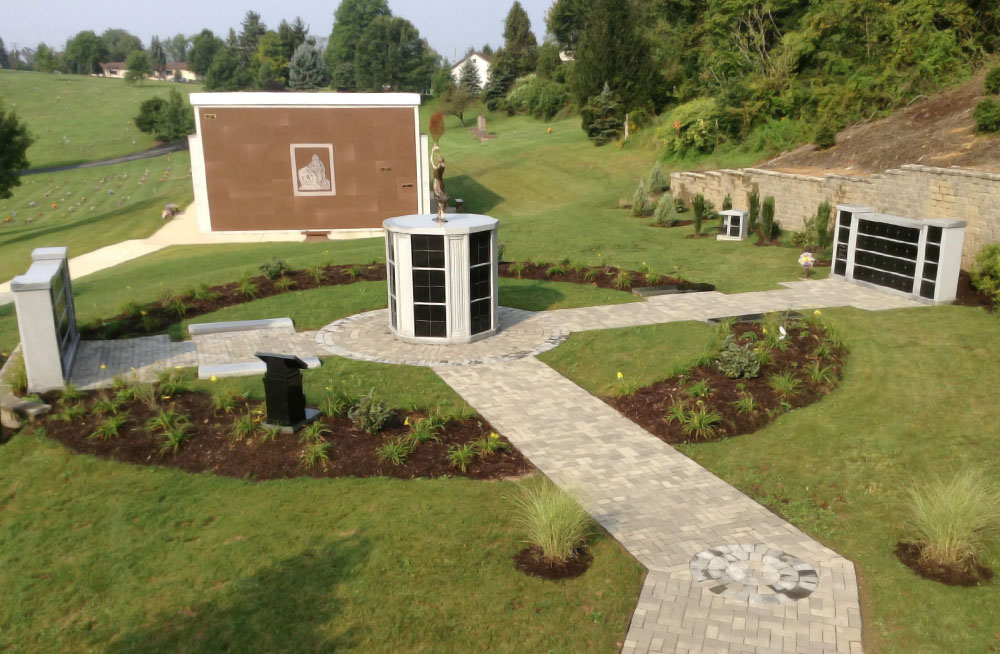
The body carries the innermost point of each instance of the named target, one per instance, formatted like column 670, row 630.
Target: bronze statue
column 439, row 192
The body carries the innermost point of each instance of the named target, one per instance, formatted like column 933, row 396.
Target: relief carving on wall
column 310, row 163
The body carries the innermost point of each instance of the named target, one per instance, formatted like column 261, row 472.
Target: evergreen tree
column 391, row 55
column 468, row 78
column 566, row 20
column 203, row 49
column 225, row 73
column 270, row 61
column 157, row 55
column 4, row 59
column 603, row 117
column 502, row 75
column 519, row 41
column 612, row 52
column 307, row 70
column 351, row 19
column 548, row 59
column 251, row 29
column 292, row 36
column 14, row 142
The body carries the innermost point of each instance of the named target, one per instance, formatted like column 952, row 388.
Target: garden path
column 724, row 573
column 668, row 511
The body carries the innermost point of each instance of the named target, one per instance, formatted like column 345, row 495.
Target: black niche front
column 286, row 403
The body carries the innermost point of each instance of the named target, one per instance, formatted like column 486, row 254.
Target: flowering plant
column 807, row 261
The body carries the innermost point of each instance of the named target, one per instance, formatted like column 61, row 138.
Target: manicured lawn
column 918, row 400
column 76, row 118
column 102, row 556
column 95, row 207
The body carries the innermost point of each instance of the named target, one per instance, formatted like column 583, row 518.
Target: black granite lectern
column 286, row 403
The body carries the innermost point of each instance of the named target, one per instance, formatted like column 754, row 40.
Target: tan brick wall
column 912, row 191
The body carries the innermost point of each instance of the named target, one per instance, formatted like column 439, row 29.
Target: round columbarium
column 442, row 278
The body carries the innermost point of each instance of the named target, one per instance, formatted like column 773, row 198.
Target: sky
column 450, row 26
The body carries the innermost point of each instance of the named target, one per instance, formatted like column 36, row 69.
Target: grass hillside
column 94, row 207
column 75, row 118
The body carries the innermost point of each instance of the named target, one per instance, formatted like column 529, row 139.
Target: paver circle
column 756, row 574
column 366, row 337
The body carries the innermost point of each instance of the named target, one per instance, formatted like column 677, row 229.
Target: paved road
column 156, row 151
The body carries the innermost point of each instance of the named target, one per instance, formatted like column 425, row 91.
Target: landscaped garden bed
column 166, row 424
column 155, row 317
column 774, row 365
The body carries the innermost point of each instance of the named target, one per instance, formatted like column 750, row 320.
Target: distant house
column 482, row 63
column 178, row 70
column 114, row 69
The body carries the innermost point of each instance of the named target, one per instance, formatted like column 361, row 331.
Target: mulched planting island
column 649, row 406
column 531, row 561
column 156, row 317
column 211, row 448
column 972, row 574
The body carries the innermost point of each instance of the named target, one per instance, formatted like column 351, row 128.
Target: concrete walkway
column 182, row 229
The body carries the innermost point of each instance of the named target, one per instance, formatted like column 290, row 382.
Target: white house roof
column 257, row 99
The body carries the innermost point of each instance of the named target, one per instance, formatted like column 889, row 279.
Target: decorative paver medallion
column 756, row 574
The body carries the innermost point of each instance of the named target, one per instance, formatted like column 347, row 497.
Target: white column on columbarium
column 46, row 319
column 442, row 278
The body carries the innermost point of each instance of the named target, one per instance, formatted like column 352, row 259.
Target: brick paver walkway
column 664, row 508
column 725, row 574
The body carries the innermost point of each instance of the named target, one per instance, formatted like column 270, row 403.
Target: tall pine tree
column 307, row 70
column 468, row 78
column 612, row 51
column 519, row 41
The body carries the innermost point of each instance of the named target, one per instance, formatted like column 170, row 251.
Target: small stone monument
column 479, row 131
column 283, row 396
column 46, row 319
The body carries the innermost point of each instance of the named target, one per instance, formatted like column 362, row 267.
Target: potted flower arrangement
column 807, row 261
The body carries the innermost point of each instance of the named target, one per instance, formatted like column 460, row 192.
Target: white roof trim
column 242, row 99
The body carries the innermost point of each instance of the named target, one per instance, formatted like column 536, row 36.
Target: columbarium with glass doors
column 442, row 278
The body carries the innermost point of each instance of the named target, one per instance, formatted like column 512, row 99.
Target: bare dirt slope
column 934, row 131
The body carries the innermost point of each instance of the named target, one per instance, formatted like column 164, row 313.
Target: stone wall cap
column 44, row 254
column 38, row 277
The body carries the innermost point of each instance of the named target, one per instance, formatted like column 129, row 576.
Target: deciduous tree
column 203, row 49
column 157, row 55
column 390, row 54
column 14, row 142
column 45, row 60
column 351, row 19
column 137, row 66
column 85, row 52
column 120, row 43
column 168, row 120
column 566, row 20
column 177, row 47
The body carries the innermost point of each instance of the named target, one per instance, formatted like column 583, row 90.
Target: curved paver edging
column 366, row 337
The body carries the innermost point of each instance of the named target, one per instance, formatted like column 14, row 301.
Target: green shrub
column 665, row 212
column 702, row 209
column 700, row 423
column 753, row 199
column 274, row 268
column 368, row 414
column 727, row 203
column 110, row 428
column 315, row 453
column 223, row 400
column 395, row 452
column 767, row 219
column 623, row 280
column 991, row 86
column 490, row 445
column 542, row 98
column 18, row 377
column 987, row 116
column 174, row 382
column 551, row 520
column 243, row 427
column 640, row 200
column 784, row 384
column 105, row 405
column 822, row 226
column 692, row 127
column 953, row 520
column 986, row 273
column 658, row 180
column 738, row 361
column 825, row 136
column 313, row 432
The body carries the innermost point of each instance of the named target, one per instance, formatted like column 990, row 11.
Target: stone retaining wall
column 911, row 190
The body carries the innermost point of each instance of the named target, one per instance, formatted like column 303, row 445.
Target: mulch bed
column 600, row 276
column 156, row 317
column 531, row 561
column 211, row 449
column 678, row 223
column 648, row 406
column 968, row 296
column 973, row 574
